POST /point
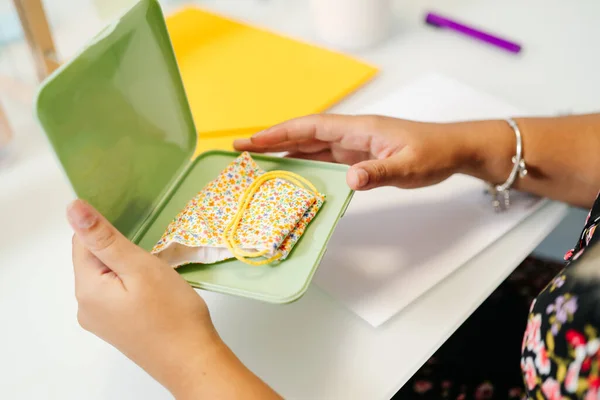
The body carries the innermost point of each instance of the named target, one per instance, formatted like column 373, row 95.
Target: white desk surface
column 312, row 349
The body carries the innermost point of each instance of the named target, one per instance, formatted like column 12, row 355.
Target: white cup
column 352, row 24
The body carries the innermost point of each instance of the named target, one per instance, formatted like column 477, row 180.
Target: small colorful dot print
column 276, row 217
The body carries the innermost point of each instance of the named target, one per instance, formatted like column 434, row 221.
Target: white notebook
column 394, row 245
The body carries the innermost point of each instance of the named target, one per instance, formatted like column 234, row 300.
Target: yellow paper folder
column 240, row 79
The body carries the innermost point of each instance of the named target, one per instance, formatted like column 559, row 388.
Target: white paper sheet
column 394, row 245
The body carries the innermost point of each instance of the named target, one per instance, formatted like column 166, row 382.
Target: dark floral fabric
column 561, row 346
column 557, row 305
column 481, row 359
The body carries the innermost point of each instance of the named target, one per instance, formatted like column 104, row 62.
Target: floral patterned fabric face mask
column 268, row 225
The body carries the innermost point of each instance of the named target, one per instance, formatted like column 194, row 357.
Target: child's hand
column 136, row 302
column 140, row 305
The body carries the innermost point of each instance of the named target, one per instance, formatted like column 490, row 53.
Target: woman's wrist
column 486, row 149
column 559, row 153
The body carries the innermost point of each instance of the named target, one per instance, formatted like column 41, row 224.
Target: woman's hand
column 561, row 153
column 383, row 151
column 142, row 306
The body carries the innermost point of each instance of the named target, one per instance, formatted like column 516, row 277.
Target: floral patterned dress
column 559, row 354
column 561, row 346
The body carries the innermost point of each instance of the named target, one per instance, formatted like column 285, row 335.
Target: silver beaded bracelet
column 501, row 193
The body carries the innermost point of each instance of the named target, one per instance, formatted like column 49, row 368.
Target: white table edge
column 545, row 220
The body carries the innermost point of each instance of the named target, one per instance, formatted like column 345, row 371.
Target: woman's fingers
column 324, row 155
column 322, row 127
column 304, row 128
column 304, row 146
column 318, row 133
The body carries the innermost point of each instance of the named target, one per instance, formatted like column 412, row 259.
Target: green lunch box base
column 119, row 121
column 281, row 282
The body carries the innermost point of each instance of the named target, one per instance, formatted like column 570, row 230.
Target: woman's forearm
column 562, row 155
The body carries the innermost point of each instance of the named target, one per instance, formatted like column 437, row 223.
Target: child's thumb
column 104, row 240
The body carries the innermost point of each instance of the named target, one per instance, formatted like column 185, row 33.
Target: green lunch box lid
column 118, row 118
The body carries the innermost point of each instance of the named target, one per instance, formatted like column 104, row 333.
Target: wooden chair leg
column 5, row 130
column 18, row 90
column 38, row 35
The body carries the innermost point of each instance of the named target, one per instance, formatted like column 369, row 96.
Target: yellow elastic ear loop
column 245, row 199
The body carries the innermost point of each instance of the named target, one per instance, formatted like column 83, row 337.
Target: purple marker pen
column 442, row 22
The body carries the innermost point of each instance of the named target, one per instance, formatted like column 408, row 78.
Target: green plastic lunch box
column 118, row 118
